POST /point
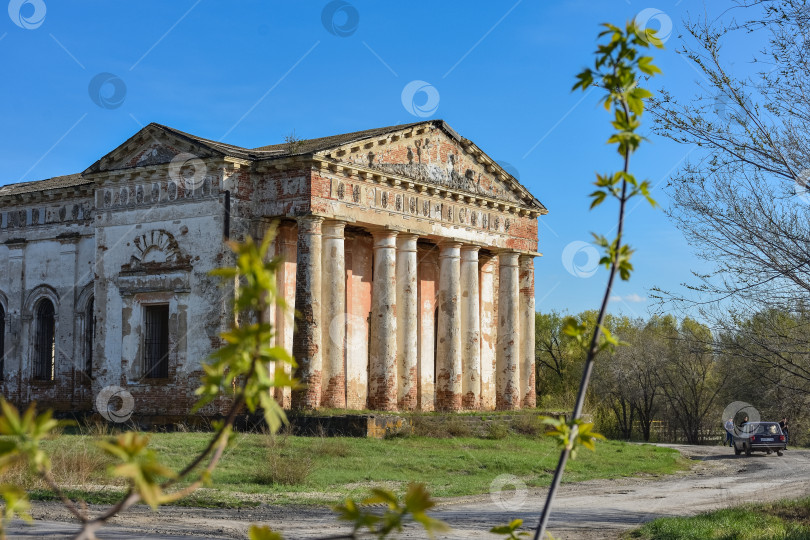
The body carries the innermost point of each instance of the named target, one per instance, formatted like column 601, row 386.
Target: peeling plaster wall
column 45, row 252
column 421, row 213
column 435, row 158
column 359, row 255
column 125, row 286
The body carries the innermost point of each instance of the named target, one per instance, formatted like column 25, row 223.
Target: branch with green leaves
column 247, row 366
column 619, row 69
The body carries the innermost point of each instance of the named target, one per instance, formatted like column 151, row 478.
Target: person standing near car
column 784, row 426
column 729, row 430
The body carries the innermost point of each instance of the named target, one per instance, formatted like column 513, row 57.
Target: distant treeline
column 672, row 379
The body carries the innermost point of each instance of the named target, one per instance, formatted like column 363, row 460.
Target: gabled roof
column 273, row 151
column 309, row 146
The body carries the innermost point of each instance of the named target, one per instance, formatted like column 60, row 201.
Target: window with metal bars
column 2, row 344
column 89, row 329
column 156, row 342
column 44, row 341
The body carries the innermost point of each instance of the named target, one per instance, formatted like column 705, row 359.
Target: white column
column 407, row 321
column 383, row 351
column 68, row 368
column 488, row 333
column 448, row 378
column 508, row 348
column 18, row 370
column 528, row 395
column 286, row 242
column 333, row 268
column 307, row 340
column 470, row 329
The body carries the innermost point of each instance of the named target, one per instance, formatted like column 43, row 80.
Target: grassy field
column 313, row 470
column 783, row 520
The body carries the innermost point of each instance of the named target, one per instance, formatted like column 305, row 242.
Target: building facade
column 407, row 254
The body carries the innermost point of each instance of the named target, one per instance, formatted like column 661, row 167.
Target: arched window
column 2, row 343
column 44, row 341
column 89, row 329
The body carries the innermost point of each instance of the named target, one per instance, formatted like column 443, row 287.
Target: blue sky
column 250, row 72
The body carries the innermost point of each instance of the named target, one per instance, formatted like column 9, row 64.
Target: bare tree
column 744, row 202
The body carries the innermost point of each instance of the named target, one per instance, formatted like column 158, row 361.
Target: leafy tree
column 766, row 358
column 559, row 360
column 691, row 381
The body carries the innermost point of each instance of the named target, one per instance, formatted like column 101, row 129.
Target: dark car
column 759, row 437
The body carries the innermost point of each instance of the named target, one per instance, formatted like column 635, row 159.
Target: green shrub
column 527, row 424
column 457, row 427
column 497, row 430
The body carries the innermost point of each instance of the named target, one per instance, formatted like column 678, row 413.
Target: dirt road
column 599, row 509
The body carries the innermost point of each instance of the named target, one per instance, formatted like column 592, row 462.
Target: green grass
column 783, row 520
column 312, row 470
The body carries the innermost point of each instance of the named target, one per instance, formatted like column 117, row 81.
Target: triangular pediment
column 152, row 145
column 432, row 153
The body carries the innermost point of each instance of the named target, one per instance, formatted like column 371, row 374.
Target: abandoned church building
column 407, row 252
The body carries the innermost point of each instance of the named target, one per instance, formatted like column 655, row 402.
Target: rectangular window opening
column 156, row 342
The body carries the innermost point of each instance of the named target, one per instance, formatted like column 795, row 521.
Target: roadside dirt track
column 599, row 509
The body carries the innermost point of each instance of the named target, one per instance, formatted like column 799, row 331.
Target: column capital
column 333, row 228
column 382, row 232
column 406, row 242
column 449, row 249
column 526, row 259
column 469, row 253
column 310, row 224
column 508, row 258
